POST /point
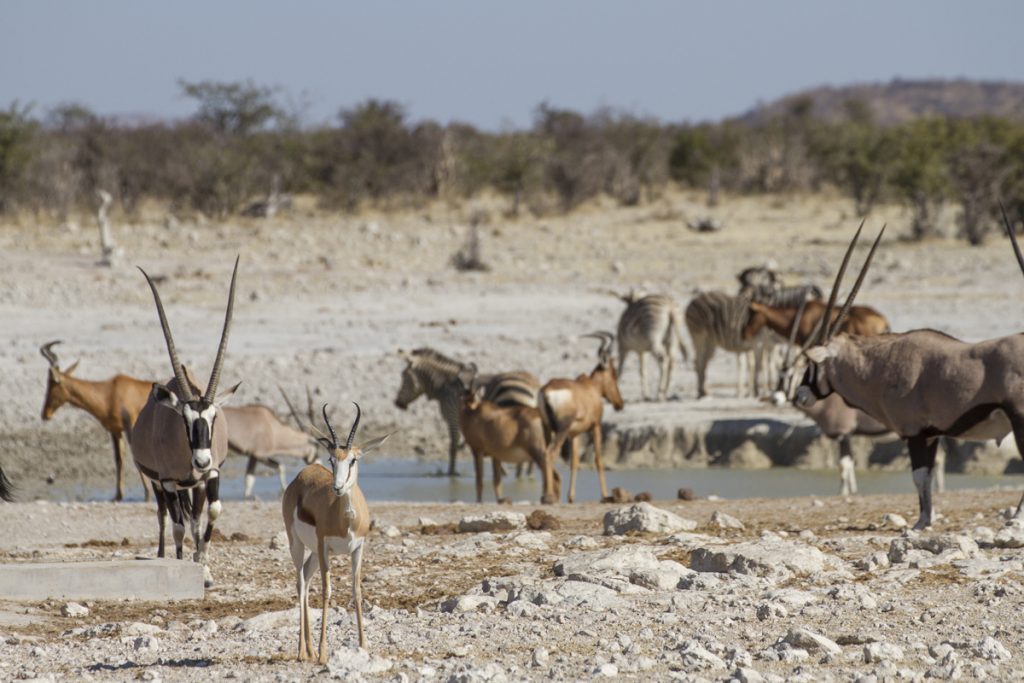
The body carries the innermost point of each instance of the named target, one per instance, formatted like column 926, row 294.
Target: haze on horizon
column 491, row 64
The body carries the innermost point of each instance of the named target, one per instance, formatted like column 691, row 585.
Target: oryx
column 921, row 384
column 180, row 440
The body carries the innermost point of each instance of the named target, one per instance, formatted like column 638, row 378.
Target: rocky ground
column 795, row 589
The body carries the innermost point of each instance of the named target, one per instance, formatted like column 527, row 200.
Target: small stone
column 891, row 520
column 644, row 517
column 390, row 531
column 686, row 494
column 723, row 521
column 608, row 670
column 882, row 651
column 492, row 521
column 469, row 603
column 279, row 541
column 809, row 640
column 991, row 649
column 74, row 610
column 747, row 675
column 146, row 644
column 540, row 658
column 541, row 520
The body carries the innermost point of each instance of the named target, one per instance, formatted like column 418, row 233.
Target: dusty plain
column 326, row 300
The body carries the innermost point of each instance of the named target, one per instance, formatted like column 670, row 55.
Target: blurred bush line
column 242, row 142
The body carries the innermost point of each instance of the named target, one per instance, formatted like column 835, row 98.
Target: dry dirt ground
column 326, row 301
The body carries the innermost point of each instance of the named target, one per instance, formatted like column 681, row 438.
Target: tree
column 855, row 155
column 234, row 108
column 17, row 131
column 920, row 174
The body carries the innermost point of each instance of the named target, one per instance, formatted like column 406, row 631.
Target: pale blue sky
column 491, row 63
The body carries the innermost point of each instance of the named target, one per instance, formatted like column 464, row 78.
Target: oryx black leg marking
column 213, row 493
column 922, row 462
column 161, row 513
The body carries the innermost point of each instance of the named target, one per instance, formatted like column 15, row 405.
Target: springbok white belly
column 995, row 426
column 335, row 545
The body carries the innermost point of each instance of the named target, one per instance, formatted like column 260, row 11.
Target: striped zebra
column 445, row 379
column 716, row 320
column 651, row 324
column 784, row 297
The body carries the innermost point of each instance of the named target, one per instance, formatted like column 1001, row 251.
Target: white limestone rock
column 644, row 517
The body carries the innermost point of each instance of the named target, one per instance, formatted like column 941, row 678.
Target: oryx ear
column 223, row 396
column 373, row 444
column 819, row 354
column 71, row 368
column 167, row 398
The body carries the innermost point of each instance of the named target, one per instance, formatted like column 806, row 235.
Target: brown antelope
column 104, row 400
column 508, row 434
column 325, row 512
column 921, row 384
column 862, row 320
column 180, row 440
column 256, row 432
column 440, row 378
column 570, row 407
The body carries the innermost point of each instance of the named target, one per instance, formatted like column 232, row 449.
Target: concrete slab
column 114, row 580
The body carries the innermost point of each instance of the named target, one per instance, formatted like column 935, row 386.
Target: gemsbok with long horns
column 180, row 440
column 106, row 401
column 325, row 512
column 259, row 434
column 921, row 384
column 570, row 407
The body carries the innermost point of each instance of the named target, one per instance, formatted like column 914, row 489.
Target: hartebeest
column 256, row 432
column 862, row 320
column 921, row 384
column 105, row 400
column 325, row 512
column 570, row 407
column 180, row 440
column 508, row 434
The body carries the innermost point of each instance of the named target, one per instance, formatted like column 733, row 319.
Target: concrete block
column 115, row 580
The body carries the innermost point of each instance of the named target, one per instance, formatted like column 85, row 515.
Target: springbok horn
column 211, row 386
column 1013, row 238
column 334, row 437
column 184, row 388
column 826, row 327
column 856, row 286
column 355, row 426
column 792, row 334
column 47, row 351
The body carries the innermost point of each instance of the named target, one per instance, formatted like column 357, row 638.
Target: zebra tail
column 677, row 326
column 6, row 488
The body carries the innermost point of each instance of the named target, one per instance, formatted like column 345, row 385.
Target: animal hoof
column 548, row 500
column 207, row 578
column 504, row 501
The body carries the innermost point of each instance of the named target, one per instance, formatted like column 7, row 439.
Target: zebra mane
column 434, row 367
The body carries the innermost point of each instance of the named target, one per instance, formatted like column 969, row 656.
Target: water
column 415, row 481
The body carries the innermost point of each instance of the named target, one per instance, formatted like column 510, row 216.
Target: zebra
column 764, row 277
column 651, row 324
column 764, row 287
column 443, row 379
column 716, row 319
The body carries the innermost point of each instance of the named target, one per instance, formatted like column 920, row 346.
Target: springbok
column 6, row 488
column 180, row 440
column 105, row 400
column 570, row 407
column 508, row 434
column 256, row 432
column 651, row 323
column 440, row 378
column 921, row 384
column 325, row 512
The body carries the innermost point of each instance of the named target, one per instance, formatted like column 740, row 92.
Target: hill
column 900, row 100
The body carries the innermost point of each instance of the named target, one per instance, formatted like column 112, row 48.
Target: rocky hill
column 900, row 100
